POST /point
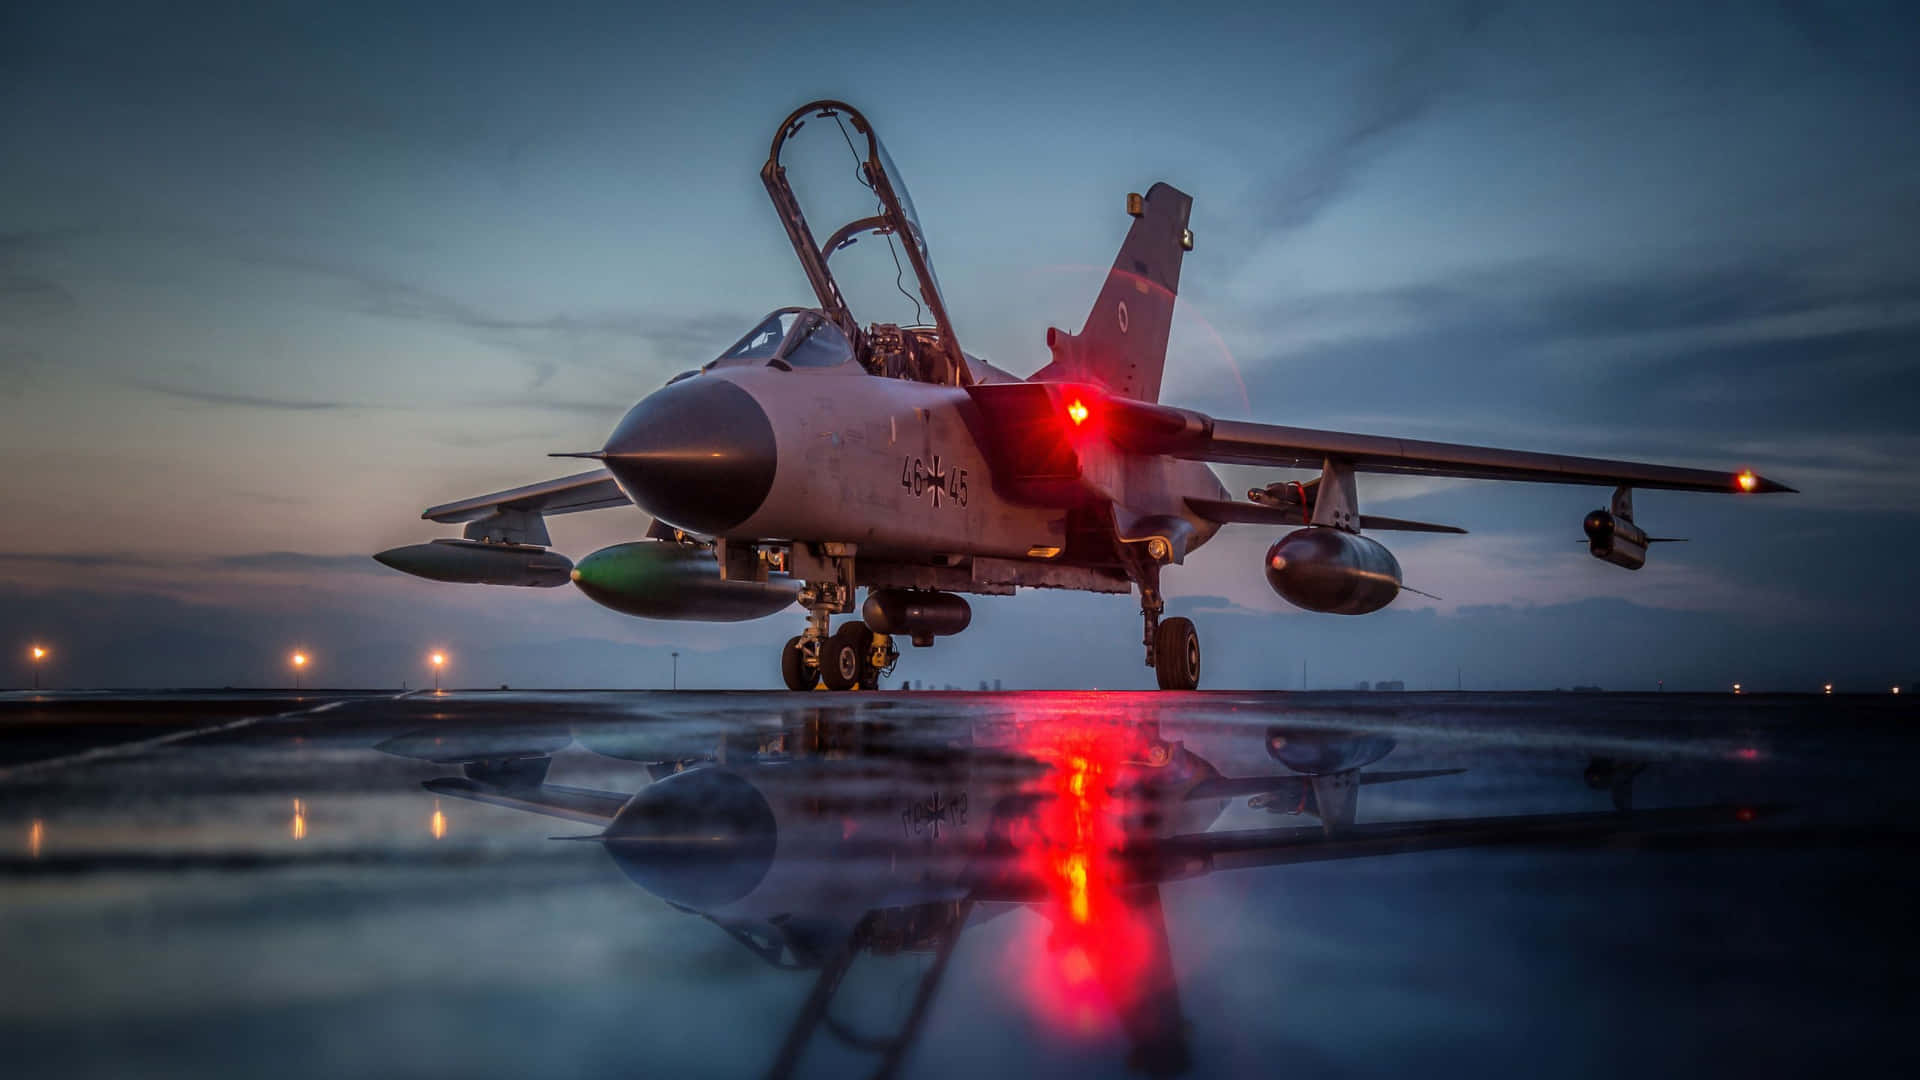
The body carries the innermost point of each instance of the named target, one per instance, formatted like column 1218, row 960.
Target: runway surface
column 937, row 884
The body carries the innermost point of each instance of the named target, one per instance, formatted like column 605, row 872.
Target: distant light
column 1747, row 480
column 299, row 827
column 1736, row 688
column 437, row 825
column 39, row 653
column 438, row 659
column 1827, row 689
column 1896, row 689
column 299, row 659
column 1744, row 814
column 1077, row 412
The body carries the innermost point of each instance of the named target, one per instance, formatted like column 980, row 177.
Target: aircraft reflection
column 820, row 835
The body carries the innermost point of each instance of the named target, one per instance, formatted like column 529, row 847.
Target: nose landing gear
column 851, row 658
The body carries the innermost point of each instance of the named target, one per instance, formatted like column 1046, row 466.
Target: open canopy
column 893, row 219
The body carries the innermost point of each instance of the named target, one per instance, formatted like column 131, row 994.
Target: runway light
column 1747, row 480
column 1077, row 412
column 1736, row 688
column 1827, row 689
column 38, row 654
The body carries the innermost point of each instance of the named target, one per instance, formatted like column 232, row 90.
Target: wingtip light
column 1746, row 481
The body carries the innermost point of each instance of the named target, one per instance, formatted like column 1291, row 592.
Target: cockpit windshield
column 763, row 341
column 792, row 338
column 815, row 342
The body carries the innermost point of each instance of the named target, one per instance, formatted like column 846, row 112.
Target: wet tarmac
column 654, row 884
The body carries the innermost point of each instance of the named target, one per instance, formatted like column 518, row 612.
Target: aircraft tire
column 793, row 666
column 1176, row 654
column 843, row 655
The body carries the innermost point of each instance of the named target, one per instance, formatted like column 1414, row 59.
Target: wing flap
column 594, row 490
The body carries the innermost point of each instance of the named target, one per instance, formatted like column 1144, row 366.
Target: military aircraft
column 819, row 456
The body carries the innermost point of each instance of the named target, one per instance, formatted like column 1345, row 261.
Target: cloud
column 1415, row 79
column 249, row 401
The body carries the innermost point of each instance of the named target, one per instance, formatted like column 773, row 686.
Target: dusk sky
column 273, row 278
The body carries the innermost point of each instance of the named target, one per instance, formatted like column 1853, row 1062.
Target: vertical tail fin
column 1123, row 345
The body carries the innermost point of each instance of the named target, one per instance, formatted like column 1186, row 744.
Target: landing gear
column 1176, row 654
column 1173, row 645
column 851, row 658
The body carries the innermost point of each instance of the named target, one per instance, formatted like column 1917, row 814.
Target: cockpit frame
column 893, row 219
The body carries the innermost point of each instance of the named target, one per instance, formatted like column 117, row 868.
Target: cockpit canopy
column 876, row 205
column 791, row 337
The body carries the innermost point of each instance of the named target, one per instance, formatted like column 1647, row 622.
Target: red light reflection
column 1105, row 953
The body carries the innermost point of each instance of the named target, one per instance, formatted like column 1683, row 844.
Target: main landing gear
column 1173, row 645
column 850, row 658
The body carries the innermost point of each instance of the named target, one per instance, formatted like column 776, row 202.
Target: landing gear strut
column 1173, row 645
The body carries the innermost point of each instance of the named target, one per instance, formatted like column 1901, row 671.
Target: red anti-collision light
column 1077, row 412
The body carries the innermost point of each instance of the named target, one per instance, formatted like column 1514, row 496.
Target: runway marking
column 138, row 746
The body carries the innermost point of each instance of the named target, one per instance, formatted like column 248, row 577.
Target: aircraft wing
column 1238, row 442
column 594, row 490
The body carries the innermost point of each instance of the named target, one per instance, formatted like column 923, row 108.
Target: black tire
column 793, row 667
column 1176, row 654
column 844, row 655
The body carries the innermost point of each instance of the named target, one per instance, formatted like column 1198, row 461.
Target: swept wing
column 594, row 490
column 1184, row 433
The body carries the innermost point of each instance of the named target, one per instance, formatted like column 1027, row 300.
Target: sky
column 275, row 277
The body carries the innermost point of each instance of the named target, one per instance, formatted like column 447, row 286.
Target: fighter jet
column 820, row 456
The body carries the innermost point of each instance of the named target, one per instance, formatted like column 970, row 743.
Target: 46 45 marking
column 916, row 476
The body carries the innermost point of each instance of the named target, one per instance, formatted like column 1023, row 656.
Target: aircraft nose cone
column 699, row 455
column 701, row 838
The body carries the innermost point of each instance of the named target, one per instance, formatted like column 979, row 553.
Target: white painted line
column 139, row 746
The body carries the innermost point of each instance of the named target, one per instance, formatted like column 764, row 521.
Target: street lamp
column 676, row 671
column 299, row 662
column 38, row 654
column 438, row 660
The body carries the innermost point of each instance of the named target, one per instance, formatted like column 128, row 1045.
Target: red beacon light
column 1077, row 412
